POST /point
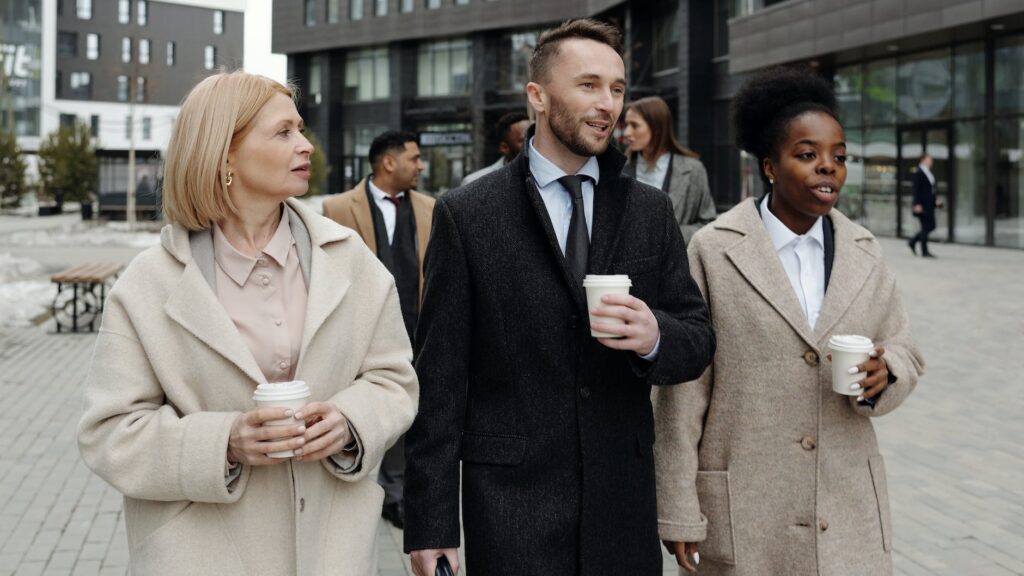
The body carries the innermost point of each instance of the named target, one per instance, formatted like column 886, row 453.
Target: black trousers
column 392, row 472
column 927, row 225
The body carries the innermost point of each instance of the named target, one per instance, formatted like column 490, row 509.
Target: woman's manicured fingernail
column 855, row 386
column 860, row 398
column 298, row 451
column 288, row 413
column 873, row 354
column 298, row 415
column 302, row 429
column 696, row 557
column 853, row 370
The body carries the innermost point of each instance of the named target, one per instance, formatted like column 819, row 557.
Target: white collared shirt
column 652, row 175
column 927, row 172
column 387, row 208
column 557, row 199
column 803, row 258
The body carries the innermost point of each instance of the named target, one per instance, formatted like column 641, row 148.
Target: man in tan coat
column 394, row 221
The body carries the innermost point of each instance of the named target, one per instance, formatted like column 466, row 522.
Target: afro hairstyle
column 765, row 104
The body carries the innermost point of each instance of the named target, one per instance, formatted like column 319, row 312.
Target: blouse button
column 266, row 281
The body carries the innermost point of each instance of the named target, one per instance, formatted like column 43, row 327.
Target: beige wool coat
column 759, row 460
column 170, row 374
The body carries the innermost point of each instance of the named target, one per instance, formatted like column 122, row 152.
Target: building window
column 461, row 2
column 170, row 53
column 309, row 6
column 355, row 9
column 333, row 11
column 124, row 11
column 443, row 68
column 83, row 9
column 367, row 75
column 122, row 88
column 433, row 4
column 92, row 46
column 67, row 45
column 210, row 57
column 315, row 85
column 81, row 84
column 126, row 50
column 666, row 38
column 407, row 5
column 143, row 51
column 94, row 126
column 218, row 21
column 142, row 12
column 382, row 7
column 68, row 120
column 514, row 60
column 147, row 128
column 129, row 127
column 140, row 89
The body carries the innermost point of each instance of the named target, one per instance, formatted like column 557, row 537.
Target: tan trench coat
column 759, row 460
column 171, row 373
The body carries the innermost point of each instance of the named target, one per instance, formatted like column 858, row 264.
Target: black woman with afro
column 762, row 467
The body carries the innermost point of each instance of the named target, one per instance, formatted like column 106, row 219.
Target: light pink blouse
column 266, row 299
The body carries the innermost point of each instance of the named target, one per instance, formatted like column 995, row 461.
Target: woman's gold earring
column 230, row 179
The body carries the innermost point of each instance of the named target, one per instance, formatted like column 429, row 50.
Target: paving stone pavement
column 953, row 452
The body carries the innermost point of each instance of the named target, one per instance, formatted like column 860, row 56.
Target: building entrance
column 937, row 141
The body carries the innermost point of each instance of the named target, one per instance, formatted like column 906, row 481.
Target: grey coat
column 687, row 187
column 759, row 460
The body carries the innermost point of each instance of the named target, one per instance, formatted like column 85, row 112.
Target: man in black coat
column 923, row 205
column 553, row 427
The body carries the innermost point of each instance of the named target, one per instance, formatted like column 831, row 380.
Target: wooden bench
column 81, row 290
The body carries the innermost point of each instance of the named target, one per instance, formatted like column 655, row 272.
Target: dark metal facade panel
column 189, row 27
column 778, row 34
column 291, row 35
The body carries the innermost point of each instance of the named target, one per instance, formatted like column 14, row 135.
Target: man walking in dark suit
column 924, row 204
column 553, row 428
column 394, row 221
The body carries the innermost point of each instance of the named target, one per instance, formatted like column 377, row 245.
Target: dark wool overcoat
column 554, row 431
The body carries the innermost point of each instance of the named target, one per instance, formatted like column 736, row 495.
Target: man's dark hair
column 390, row 141
column 768, row 102
column 584, row 29
column 505, row 123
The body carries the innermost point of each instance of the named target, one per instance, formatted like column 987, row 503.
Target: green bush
column 12, row 171
column 67, row 164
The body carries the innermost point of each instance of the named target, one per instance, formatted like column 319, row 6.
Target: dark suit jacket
column 924, row 193
column 352, row 210
column 554, row 430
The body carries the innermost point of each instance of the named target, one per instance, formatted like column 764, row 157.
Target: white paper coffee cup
column 292, row 395
column 597, row 286
column 848, row 351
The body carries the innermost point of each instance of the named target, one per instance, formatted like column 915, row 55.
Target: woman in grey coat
column 762, row 469
column 656, row 158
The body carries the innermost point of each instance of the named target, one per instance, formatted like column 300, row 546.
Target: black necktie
column 577, row 244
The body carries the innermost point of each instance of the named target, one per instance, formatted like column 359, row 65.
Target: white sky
column 258, row 59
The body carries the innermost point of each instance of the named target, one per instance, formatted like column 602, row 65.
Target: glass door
column 935, row 141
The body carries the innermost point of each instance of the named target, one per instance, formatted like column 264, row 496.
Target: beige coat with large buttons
column 170, row 374
column 759, row 460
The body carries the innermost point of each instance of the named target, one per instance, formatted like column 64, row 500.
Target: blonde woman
column 247, row 286
column 657, row 159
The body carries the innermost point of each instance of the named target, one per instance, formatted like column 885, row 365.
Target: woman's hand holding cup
column 250, row 441
column 327, row 432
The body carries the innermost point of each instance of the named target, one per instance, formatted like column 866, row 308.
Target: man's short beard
column 563, row 126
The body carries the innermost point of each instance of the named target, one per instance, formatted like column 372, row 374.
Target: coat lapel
column 195, row 307
column 363, row 217
column 541, row 212
column 850, row 269
column 610, row 204
column 326, row 290
column 757, row 262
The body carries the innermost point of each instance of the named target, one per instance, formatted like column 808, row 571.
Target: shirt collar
column 545, row 171
column 378, row 194
column 239, row 266
column 927, row 171
column 780, row 234
column 660, row 164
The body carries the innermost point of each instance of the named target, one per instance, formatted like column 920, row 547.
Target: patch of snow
column 109, row 234
column 24, row 293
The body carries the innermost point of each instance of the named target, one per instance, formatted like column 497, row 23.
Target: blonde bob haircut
column 215, row 116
